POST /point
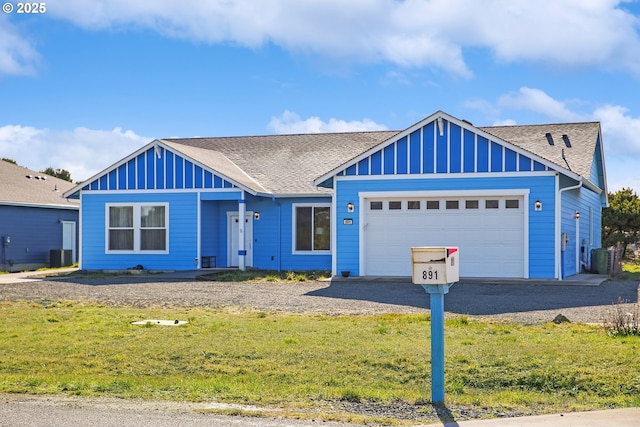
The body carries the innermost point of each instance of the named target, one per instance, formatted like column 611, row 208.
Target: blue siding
column 428, row 148
column 34, row 232
column 496, row 157
column 140, row 165
column 414, row 152
column 363, row 167
column 389, row 159
column 351, row 170
column 402, row 151
column 455, row 149
column 122, row 177
column 541, row 224
column 524, row 164
column 376, row 163
column 157, row 169
column 179, row 172
column 441, row 150
column 483, row 154
column 131, row 174
column 182, row 232
column 150, row 170
column 469, row 151
column 160, row 172
column 510, row 160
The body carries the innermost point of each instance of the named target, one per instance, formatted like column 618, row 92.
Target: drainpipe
column 242, row 251
column 559, row 224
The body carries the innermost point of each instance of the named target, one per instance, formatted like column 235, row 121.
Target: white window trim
column 136, row 228
column 294, row 221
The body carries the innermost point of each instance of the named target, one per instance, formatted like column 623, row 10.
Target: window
column 137, row 228
column 375, row 206
column 512, row 204
column 471, row 204
column 452, row 204
column 491, row 204
column 394, row 206
column 413, row 204
column 433, row 204
column 312, row 228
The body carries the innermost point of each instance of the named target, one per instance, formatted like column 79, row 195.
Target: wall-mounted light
column 350, row 207
column 538, row 205
column 256, row 215
column 577, row 215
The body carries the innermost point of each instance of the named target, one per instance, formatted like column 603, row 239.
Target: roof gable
column 443, row 144
column 25, row 187
column 160, row 166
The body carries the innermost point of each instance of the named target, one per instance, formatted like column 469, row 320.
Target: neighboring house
column 519, row 201
column 34, row 218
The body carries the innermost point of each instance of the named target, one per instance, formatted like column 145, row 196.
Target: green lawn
column 295, row 362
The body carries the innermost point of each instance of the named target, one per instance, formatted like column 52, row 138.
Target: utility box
column 60, row 258
column 435, row 265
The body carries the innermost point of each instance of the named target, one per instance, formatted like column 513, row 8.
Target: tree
column 9, row 161
column 621, row 220
column 58, row 173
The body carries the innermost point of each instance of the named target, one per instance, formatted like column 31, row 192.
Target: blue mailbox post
column 436, row 269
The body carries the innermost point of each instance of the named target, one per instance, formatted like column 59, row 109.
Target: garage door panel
column 491, row 241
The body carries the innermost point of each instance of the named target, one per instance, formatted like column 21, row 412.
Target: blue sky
column 87, row 82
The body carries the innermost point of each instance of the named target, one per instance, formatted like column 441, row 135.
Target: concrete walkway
column 627, row 417
column 31, row 276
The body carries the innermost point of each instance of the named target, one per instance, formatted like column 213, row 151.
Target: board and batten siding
column 157, row 169
column 456, row 150
column 182, row 237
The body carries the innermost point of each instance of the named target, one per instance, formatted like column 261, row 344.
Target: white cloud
column 291, row 123
column 538, row 101
column 17, row 55
column 410, row 33
column 83, row 152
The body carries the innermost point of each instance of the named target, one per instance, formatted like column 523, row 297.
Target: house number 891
column 430, row 275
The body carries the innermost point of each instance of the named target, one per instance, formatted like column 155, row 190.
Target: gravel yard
column 521, row 302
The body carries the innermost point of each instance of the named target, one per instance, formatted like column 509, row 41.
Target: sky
column 84, row 83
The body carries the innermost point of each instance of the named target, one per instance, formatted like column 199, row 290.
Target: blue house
column 519, row 201
column 35, row 219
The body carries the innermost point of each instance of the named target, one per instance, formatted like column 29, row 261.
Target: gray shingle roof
column 281, row 164
column 17, row 188
column 582, row 139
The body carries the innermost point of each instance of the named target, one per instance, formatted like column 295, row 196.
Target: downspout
column 242, row 251
column 559, row 224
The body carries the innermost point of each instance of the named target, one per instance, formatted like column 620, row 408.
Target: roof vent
column 549, row 138
column 565, row 138
column 29, row 176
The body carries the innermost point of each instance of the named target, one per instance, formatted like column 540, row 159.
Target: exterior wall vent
column 549, row 138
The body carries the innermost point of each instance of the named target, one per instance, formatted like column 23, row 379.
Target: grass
column 631, row 271
column 266, row 276
column 304, row 362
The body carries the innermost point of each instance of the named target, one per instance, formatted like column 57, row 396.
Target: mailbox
column 435, row 265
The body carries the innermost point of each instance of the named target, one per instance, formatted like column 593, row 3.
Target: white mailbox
column 435, row 265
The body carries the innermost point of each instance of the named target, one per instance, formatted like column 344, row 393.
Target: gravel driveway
column 523, row 302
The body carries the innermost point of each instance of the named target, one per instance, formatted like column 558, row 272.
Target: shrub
column 622, row 319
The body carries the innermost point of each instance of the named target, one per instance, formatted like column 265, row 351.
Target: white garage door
column 489, row 231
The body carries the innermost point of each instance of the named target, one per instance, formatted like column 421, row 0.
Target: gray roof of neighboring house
column 279, row 164
column 40, row 190
column 578, row 152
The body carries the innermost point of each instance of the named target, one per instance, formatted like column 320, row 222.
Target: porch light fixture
column 538, row 205
column 350, row 207
column 256, row 215
column 577, row 215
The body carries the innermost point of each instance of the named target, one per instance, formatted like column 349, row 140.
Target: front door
column 233, row 245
